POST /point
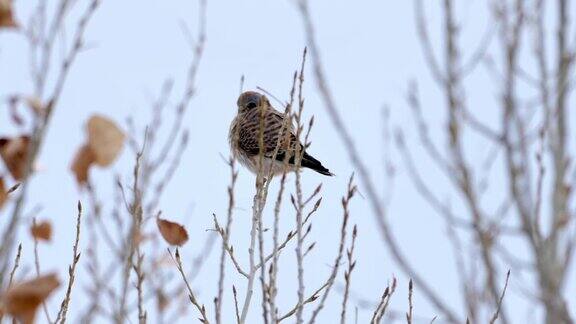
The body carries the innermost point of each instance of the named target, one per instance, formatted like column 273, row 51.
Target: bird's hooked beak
column 253, row 102
column 249, row 100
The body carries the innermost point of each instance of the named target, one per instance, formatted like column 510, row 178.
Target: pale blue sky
column 370, row 51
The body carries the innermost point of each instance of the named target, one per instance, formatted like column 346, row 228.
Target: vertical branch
column 499, row 305
column 299, row 201
column 256, row 231
column 559, row 128
column 252, row 271
column 284, row 137
column 226, row 239
column 552, row 280
column 272, row 285
column 14, row 268
column 345, row 206
column 409, row 315
column 37, row 267
column 380, row 310
column 131, row 242
column 454, row 96
column 16, row 264
column 262, row 262
column 71, row 271
column 139, row 271
column 236, row 311
column 348, row 276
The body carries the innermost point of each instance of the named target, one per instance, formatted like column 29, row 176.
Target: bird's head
column 249, row 100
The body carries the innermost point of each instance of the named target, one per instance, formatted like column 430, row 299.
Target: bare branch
column 71, row 271
column 495, row 316
column 191, row 295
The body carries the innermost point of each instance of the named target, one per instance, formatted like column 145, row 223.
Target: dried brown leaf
column 105, row 139
column 173, row 233
column 81, row 164
column 14, row 152
column 7, row 15
column 41, row 231
column 22, row 300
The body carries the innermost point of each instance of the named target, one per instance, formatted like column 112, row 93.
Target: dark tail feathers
column 309, row 162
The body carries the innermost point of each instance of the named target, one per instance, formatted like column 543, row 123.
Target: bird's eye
column 251, row 105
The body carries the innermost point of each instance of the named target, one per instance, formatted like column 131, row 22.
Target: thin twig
column 226, row 239
column 130, row 242
column 384, row 301
column 284, row 136
column 300, row 203
column 351, row 190
column 37, row 267
column 308, row 300
column 256, row 230
column 236, row 301
column 273, row 289
column 139, row 271
column 191, row 296
column 495, row 316
column 71, row 270
column 16, row 264
column 348, row 275
column 409, row 316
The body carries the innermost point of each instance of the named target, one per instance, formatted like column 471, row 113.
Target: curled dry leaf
column 41, row 231
column 22, row 300
column 173, row 233
column 105, row 139
column 7, row 15
column 81, row 164
column 14, row 152
column 3, row 193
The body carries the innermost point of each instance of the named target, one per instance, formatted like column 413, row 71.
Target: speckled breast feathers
column 262, row 125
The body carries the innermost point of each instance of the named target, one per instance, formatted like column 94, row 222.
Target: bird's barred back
column 247, row 130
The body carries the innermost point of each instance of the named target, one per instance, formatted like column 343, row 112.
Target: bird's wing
column 274, row 128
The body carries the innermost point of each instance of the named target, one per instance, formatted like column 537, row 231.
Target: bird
column 245, row 135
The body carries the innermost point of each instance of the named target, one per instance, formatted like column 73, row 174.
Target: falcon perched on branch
column 279, row 143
